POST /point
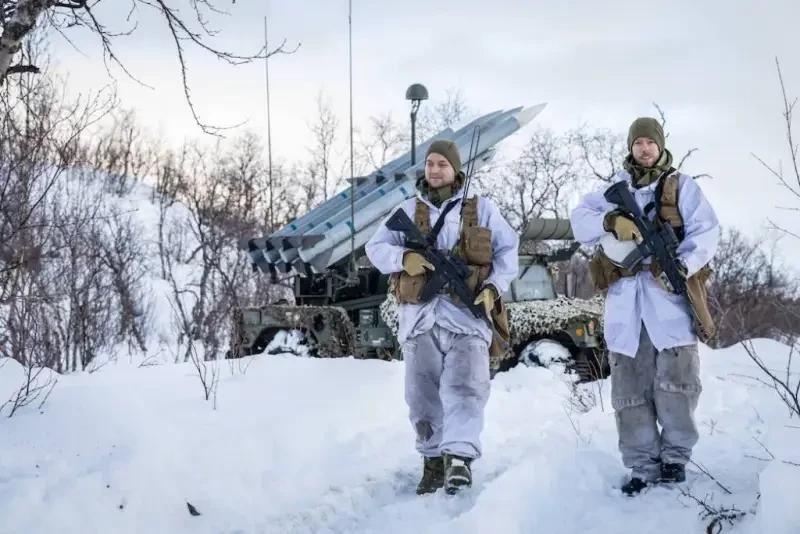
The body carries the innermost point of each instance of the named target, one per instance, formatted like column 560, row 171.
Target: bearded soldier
column 444, row 345
column 651, row 332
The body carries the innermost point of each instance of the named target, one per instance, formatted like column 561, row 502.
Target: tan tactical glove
column 415, row 263
column 487, row 297
column 622, row 227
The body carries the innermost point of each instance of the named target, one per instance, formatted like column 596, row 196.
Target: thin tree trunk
column 21, row 23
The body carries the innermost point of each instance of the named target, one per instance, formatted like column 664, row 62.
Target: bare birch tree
column 786, row 384
column 788, row 180
column 185, row 24
column 537, row 183
column 321, row 180
column 437, row 115
column 384, row 140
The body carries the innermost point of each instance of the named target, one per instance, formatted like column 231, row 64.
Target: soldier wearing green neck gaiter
column 648, row 158
column 651, row 331
column 443, row 174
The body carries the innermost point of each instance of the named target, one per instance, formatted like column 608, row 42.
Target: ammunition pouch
column 604, row 272
column 476, row 245
column 406, row 288
column 697, row 293
column 500, row 320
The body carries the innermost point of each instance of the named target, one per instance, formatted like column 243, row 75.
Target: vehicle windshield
column 534, row 283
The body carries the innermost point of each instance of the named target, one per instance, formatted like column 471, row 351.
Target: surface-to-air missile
column 328, row 233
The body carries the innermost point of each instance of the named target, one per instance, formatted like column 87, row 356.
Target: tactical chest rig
column 475, row 249
column 604, row 272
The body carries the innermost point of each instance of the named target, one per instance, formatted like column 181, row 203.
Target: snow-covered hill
column 323, row 445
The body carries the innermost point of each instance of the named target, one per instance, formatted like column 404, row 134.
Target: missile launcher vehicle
column 341, row 306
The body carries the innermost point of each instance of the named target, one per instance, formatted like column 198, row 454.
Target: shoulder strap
column 440, row 221
column 423, row 221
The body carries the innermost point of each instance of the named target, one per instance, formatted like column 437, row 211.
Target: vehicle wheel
column 591, row 365
column 544, row 353
column 291, row 342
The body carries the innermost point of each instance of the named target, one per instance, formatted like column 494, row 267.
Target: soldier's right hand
column 622, row 227
column 415, row 263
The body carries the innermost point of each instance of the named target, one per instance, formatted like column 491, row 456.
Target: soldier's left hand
column 623, row 228
column 487, row 298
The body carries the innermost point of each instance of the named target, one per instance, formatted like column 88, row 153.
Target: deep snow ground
column 316, row 445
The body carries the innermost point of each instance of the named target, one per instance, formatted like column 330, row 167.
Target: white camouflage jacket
column 639, row 299
column 385, row 250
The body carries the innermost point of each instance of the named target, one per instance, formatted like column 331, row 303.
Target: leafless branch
column 718, row 515
column 685, row 156
column 790, row 183
column 19, row 69
column 708, row 474
column 789, row 393
column 662, row 118
column 772, row 456
column 34, row 387
column 774, row 226
column 68, row 14
column 76, row 4
column 788, row 109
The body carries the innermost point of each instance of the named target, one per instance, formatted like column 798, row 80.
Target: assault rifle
column 658, row 241
column 448, row 270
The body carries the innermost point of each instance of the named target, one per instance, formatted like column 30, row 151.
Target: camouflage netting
column 389, row 313
column 540, row 317
column 531, row 318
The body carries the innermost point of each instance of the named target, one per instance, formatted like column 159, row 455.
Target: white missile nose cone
column 526, row 115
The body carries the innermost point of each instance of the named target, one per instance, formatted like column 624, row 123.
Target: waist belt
column 654, row 268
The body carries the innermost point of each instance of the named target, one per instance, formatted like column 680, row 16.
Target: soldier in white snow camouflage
column 649, row 330
column 446, row 349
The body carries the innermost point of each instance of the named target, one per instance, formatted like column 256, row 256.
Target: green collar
column 644, row 176
column 437, row 196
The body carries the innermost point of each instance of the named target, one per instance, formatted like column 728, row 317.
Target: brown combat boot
column 432, row 475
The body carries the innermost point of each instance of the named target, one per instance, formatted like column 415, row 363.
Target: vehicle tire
column 290, row 341
column 544, row 352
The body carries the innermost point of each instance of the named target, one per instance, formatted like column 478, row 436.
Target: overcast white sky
column 709, row 64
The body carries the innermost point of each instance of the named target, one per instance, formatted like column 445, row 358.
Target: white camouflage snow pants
column 446, row 389
column 655, row 387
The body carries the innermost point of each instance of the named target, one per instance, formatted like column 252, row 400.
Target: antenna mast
column 269, row 136
column 353, row 275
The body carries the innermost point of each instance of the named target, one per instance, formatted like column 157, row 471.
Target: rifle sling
column 437, row 227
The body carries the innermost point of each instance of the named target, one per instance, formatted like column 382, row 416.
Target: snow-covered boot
column 457, row 473
column 634, row 486
column 673, row 473
column 432, row 475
